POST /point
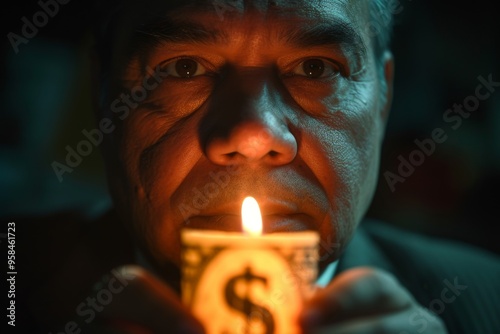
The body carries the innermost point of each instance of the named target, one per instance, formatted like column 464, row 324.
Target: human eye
column 184, row 68
column 316, row 68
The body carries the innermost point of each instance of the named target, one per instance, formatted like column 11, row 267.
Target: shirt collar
column 325, row 278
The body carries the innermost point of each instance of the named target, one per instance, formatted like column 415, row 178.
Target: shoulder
column 457, row 281
column 430, row 252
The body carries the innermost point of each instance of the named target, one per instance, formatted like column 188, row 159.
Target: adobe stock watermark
column 110, row 286
column 454, row 118
column 437, row 306
column 30, row 28
column 202, row 195
column 380, row 24
column 219, row 180
column 223, row 6
column 373, row 27
column 121, row 106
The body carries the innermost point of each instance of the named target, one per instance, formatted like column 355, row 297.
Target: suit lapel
column 363, row 251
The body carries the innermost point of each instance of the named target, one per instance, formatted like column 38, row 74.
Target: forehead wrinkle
column 179, row 31
column 336, row 32
column 317, row 23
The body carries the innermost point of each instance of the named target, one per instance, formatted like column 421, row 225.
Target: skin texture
column 252, row 111
column 295, row 122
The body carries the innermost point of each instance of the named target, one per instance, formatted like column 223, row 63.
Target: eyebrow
column 320, row 34
column 327, row 33
column 166, row 31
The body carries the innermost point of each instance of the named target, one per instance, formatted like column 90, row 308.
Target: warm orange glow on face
column 251, row 217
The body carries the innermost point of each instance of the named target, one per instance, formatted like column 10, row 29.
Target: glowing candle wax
column 248, row 282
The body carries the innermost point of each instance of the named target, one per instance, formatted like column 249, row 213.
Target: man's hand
column 365, row 300
column 145, row 306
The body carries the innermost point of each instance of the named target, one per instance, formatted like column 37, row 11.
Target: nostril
column 252, row 142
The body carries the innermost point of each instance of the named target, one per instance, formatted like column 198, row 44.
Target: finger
column 355, row 293
column 399, row 323
column 147, row 305
column 100, row 328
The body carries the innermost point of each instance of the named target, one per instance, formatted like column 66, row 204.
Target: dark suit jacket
column 60, row 258
column 456, row 281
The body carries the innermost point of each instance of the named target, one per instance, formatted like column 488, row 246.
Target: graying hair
column 381, row 23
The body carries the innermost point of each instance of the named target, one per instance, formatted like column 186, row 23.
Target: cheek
column 159, row 136
column 348, row 124
column 156, row 147
column 310, row 95
column 158, row 158
column 344, row 150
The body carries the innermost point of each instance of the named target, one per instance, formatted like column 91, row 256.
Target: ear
column 388, row 63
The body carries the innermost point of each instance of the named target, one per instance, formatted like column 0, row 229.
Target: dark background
column 441, row 48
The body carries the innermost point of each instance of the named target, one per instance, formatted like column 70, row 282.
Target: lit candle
column 251, row 219
column 248, row 282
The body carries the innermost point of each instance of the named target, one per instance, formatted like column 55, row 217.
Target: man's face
column 277, row 101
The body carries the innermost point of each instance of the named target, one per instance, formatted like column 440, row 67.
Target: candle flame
column 251, row 217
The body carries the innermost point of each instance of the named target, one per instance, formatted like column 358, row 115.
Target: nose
column 251, row 127
column 262, row 141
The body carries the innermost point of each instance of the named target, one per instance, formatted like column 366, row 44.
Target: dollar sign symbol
column 244, row 304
